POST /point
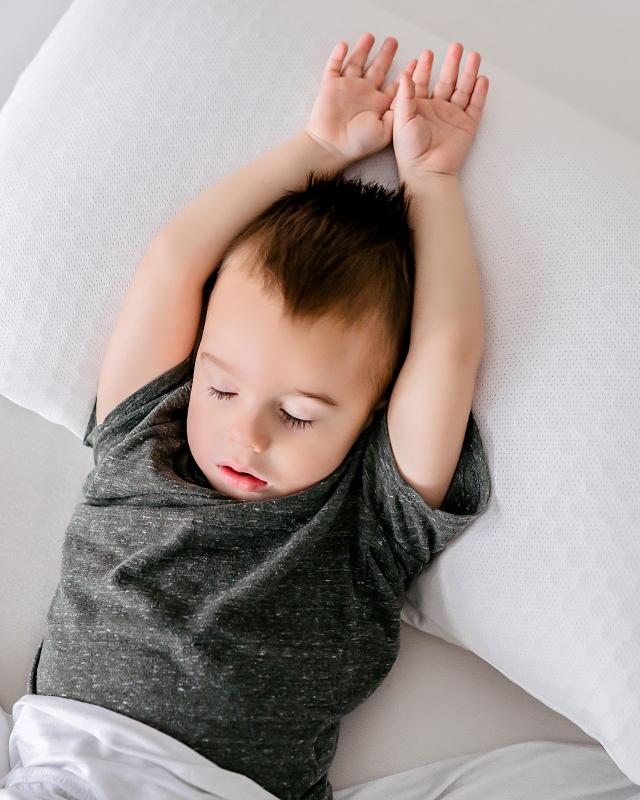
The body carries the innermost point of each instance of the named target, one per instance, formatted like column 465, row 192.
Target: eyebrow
column 323, row 398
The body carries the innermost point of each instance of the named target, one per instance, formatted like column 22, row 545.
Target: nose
column 248, row 431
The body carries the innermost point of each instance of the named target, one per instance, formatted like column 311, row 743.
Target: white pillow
column 131, row 109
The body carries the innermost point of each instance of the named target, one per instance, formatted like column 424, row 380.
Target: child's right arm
column 159, row 320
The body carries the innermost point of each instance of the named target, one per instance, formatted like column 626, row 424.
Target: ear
column 384, row 402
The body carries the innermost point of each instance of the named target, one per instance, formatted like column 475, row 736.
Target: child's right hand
column 433, row 134
column 351, row 117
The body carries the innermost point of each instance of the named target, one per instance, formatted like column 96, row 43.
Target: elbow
column 468, row 346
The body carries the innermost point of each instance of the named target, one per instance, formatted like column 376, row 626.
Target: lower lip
column 241, row 480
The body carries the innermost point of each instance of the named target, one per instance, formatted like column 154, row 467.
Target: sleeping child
column 282, row 435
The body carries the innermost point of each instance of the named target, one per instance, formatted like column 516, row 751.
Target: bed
column 452, row 719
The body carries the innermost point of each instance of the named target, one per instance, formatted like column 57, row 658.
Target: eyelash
column 294, row 422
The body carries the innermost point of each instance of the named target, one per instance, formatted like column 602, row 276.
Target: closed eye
column 293, row 422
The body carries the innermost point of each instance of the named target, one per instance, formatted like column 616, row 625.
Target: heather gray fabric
column 244, row 629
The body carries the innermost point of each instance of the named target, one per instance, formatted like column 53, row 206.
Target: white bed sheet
column 57, row 747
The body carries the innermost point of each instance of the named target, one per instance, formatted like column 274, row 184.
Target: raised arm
column 200, row 233
column 431, row 401
column 350, row 120
column 158, row 323
column 159, row 320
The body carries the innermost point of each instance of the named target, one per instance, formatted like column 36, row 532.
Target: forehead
column 251, row 328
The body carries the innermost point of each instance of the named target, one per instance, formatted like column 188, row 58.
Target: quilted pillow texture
column 129, row 110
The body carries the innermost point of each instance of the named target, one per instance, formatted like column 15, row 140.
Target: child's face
column 269, row 358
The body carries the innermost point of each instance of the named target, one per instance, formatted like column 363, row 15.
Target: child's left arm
column 430, row 403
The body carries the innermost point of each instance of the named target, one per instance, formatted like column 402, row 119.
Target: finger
column 392, row 88
column 334, row 64
column 422, row 73
column 358, row 57
column 448, row 72
column 376, row 73
column 466, row 81
column 478, row 98
column 387, row 121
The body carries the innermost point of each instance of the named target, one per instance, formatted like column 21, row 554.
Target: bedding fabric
column 55, row 747
column 129, row 110
column 245, row 629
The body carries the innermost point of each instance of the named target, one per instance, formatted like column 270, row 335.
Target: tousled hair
column 342, row 249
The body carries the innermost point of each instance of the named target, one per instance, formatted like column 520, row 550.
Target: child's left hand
column 351, row 116
column 432, row 133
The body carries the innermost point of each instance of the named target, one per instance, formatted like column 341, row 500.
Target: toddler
column 267, row 481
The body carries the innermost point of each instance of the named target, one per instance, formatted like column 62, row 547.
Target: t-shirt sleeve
column 130, row 412
column 413, row 529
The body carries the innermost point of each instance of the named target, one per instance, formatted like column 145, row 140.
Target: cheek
column 197, row 428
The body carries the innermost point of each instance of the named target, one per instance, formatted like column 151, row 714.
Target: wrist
column 329, row 157
column 430, row 184
column 414, row 176
column 427, row 191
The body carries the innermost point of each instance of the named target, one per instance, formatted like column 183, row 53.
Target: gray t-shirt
column 245, row 630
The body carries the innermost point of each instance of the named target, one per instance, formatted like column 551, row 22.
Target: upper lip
column 240, row 468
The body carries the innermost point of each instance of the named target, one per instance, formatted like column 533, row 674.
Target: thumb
column 387, row 122
column 405, row 101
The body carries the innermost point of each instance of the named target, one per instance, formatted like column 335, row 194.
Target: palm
column 433, row 133
column 437, row 138
column 354, row 117
column 351, row 116
column 348, row 114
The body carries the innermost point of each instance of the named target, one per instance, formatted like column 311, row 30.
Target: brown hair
column 340, row 248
